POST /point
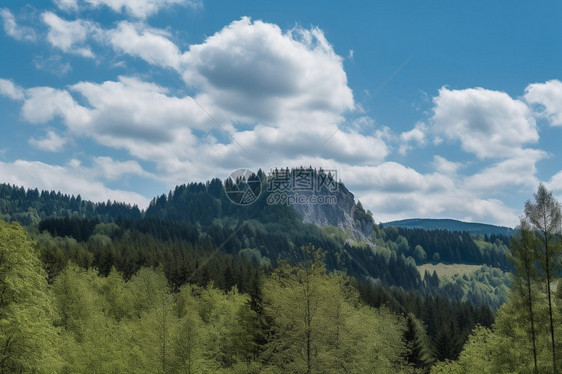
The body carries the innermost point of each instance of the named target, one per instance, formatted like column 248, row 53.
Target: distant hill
column 451, row 225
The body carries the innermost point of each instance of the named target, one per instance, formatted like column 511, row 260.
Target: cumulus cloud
column 282, row 97
column 136, row 109
column 12, row 28
column 110, row 169
column 548, row 96
column 42, row 104
column 69, row 36
column 259, row 73
column 555, row 183
column 258, row 84
column 444, row 166
column 152, row 45
column 414, row 137
column 394, row 191
column 9, row 89
column 488, row 123
column 51, row 142
column 71, row 179
column 517, row 171
column 136, row 8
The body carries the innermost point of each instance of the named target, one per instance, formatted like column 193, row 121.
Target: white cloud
column 274, row 101
column 110, row 169
column 67, row 5
column 9, row 89
column 444, row 166
column 71, row 179
column 12, row 28
column 555, row 185
column 414, row 137
column 392, row 177
column 488, row 123
column 53, row 64
column 131, row 108
column 258, row 73
column 42, row 104
column 394, row 191
column 136, row 8
column 548, row 95
column 152, row 45
column 518, row 171
column 52, row 142
column 69, row 36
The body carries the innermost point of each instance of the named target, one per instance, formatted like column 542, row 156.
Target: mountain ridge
column 451, row 225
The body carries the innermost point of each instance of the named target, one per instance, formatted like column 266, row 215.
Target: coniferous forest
column 196, row 284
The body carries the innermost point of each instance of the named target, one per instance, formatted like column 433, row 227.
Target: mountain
column 302, row 194
column 452, row 225
column 268, row 226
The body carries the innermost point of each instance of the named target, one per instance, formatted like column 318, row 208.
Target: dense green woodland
column 217, row 287
column 526, row 336
column 297, row 319
column 452, row 225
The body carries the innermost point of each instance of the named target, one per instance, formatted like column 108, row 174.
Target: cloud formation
column 414, row 137
column 71, row 179
column 489, row 124
column 16, row 31
column 69, row 36
column 9, row 89
column 150, row 44
column 258, row 73
column 136, row 8
column 51, row 142
column 254, row 95
column 548, row 97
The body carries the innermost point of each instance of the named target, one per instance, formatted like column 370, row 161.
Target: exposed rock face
column 320, row 199
column 337, row 209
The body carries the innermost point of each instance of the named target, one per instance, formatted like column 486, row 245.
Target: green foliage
column 485, row 286
column 319, row 326
column 419, row 254
column 417, row 348
column 27, row 334
column 452, row 247
column 300, row 318
column 526, row 335
column 31, row 206
column 452, row 225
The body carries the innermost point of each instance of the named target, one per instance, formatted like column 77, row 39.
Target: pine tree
column 416, row 353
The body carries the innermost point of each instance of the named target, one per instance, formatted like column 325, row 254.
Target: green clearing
column 448, row 270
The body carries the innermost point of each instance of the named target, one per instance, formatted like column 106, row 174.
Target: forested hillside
column 452, row 225
column 526, row 336
column 29, row 206
column 297, row 319
column 194, row 241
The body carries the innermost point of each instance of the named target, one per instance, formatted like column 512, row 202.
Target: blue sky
column 439, row 109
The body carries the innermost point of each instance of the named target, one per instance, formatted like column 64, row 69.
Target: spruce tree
column 415, row 353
